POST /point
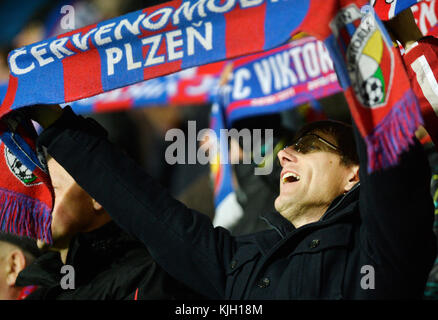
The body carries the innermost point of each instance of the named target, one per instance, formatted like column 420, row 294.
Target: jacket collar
column 88, row 253
column 284, row 226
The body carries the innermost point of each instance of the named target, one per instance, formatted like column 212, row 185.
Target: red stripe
column 82, row 72
column 236, row 105
column 344, row 38
column 426, row 47
column 248, row 26
column 10, row 95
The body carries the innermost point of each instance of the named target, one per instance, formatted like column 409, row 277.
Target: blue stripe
column 43, row 84
column 121, row 76
column 282, row 18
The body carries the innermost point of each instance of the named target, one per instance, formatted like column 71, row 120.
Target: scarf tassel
column 24, row 216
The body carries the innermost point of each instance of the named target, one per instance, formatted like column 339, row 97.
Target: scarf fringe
column 24, row 216
column 394, row 134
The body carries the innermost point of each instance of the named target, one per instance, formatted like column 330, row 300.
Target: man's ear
column 352, row 178
column 15, row 263
column 96, row 205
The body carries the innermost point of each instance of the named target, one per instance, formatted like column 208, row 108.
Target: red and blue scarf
column 194, row 86
column 177, row 35
column 270, row 82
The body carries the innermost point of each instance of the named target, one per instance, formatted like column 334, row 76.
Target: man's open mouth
column 290, row 177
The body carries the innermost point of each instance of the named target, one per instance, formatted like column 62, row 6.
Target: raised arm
column 397, row 213
column 181, row 240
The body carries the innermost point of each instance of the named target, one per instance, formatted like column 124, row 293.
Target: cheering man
column 332, row 236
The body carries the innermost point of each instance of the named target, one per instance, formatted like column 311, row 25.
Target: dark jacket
column 108, row 264
column 382, row 229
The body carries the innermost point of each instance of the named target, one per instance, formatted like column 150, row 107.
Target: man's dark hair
column 343, row 134
column 24, row 243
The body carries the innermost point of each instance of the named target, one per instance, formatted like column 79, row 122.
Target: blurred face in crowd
column 12, row 261
column 74, row 210
column 312, row 177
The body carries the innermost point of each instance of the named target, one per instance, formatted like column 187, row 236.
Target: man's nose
column 287, row 155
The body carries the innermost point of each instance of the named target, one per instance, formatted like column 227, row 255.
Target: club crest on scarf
column 370, row 61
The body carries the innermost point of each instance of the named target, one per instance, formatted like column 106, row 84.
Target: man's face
column 310, row 179
column 73, row 208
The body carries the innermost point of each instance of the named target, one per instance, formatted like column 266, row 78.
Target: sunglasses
column 312, row 142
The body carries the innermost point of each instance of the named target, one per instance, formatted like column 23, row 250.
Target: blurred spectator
column 107, row 262
column 16, row 253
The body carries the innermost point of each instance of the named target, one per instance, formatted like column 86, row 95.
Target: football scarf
column 25, row 188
